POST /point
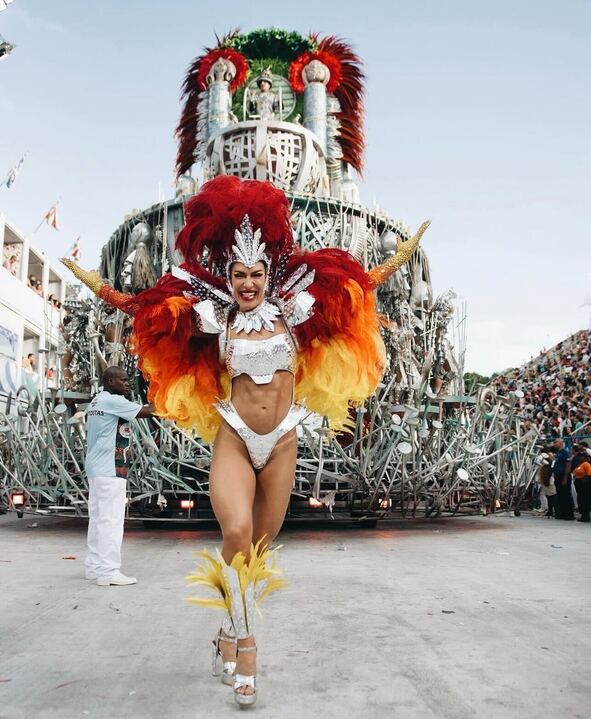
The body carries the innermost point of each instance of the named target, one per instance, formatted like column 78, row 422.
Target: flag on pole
column 13, row 172
column 4, row 4
column 51, row 218
column 74, row 251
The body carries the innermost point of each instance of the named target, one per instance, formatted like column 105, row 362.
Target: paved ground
column 484, row 617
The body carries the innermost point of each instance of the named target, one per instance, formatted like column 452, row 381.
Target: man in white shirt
column 108, row 436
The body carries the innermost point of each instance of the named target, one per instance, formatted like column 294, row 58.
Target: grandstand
column 556, row 388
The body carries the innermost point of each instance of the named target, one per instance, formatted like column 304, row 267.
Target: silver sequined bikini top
column 260, row 359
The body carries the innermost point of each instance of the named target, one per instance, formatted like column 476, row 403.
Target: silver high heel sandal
column 240, row 599
column 245, row 680
column 228, row 668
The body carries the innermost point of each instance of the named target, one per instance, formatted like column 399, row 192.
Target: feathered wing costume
column 326, row 299
column 340, row 351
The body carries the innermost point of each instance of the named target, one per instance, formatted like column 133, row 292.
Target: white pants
column 106, row 512
column 573, row 493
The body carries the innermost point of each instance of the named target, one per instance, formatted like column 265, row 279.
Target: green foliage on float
column 271, row 43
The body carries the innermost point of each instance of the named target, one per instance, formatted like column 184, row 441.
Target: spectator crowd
column 554, row 395
column 556, row 388
column 11, row 264
column 36, row 285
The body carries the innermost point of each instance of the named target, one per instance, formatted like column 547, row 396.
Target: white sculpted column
column 315, row 77
column 219, row 110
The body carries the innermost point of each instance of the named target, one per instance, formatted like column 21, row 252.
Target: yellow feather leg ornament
column 210, row 574
column 260, row 570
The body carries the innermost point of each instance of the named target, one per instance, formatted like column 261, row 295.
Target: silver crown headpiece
column 248, row 248
column 265, row 76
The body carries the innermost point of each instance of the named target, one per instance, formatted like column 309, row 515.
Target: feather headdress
column 217, row 211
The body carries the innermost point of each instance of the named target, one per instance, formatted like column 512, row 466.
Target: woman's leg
column 273, row 489
column 232, row 490
column 232, row 486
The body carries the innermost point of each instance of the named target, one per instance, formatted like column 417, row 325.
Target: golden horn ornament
column 91, row 279
column 404, row 250
column 121, row 300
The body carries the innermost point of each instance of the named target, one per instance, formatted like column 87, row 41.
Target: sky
column 477, row 117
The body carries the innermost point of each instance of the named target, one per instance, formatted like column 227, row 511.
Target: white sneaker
column 117, row 579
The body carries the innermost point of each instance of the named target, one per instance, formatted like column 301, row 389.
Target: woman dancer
column 241, row 351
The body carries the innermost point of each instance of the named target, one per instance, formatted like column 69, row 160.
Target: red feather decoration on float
column 194, row 84
column 235, row 57
column 350, row 96
column 335, row 53
column 297, row 66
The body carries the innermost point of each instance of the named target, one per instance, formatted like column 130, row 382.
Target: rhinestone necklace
column 261, row 317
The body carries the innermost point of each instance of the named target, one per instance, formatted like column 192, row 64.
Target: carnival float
column 278, row 106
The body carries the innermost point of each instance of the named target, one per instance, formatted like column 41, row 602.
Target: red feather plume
column 207, row 61
column 350, row 96
column 346, row 84
column 213, row 215
column 332, row 63
column 194, row 84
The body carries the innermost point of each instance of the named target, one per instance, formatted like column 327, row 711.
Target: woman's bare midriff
column 263, row 406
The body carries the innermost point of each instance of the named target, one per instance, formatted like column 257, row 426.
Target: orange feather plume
column 184, row 371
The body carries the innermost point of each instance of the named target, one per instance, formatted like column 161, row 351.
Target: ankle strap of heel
column 224, row 638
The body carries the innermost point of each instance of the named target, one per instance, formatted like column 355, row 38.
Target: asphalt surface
column 456, row 618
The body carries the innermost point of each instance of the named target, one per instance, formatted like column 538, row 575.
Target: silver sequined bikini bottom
column 260, row 446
